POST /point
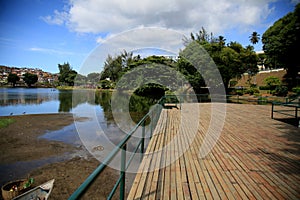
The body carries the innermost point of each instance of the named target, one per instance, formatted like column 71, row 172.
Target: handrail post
column 272, row 110
column 151, row 124
column 143, row 138
column 180, row 100
column 123, row 173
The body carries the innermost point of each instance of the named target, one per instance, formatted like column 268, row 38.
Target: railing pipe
column 121, row 146
column 123, row 172
column 143, row 137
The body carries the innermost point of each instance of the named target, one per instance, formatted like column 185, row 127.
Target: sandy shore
column 20, row 143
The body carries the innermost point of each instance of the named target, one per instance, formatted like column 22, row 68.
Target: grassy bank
column 5, row 122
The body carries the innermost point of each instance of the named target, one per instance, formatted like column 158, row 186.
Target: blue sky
column 43, row 33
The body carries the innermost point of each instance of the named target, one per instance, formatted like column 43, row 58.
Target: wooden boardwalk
column 255, row 157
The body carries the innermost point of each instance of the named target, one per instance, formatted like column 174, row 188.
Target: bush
column 239, row 92
column 280, row 90
column 272, row 81
column 265, row 87
column 252, row 91
column 296, row 90
column 232, row 83
column 105, row 84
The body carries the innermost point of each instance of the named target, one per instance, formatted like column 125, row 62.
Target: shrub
column 252, row 91
column 272, row 81
column 232, row 83
column 280, row 90
column 105, row 84
column 239, row 92
column 296, row 90
column 265, row 87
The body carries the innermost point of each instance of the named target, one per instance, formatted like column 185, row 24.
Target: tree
column 116, row 67
column 105, row 84
column 221, row 41
column 232, row 60
column 254, row 37
column 94, row 77
column 201, row 37
column 112, row 68
column 190, row 73
column 66, row 74
column 80, row 79
column 281, row 44
column 13, row 78
column 30, row 79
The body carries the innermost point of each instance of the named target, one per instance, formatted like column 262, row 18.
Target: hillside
column 258, row 79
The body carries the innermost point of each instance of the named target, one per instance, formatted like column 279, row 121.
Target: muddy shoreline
column 69, row 165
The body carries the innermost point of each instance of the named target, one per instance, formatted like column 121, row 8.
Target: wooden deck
column 255, row 157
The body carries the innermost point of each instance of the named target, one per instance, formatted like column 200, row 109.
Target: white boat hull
column 40, row 192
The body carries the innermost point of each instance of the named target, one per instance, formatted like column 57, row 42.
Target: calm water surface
column 98, row 127
column 17, row 101
column 94, row 105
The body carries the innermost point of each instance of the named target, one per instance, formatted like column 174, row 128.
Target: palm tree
column 254, row 37
column 221, row 41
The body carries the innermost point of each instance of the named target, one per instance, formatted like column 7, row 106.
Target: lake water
column 91, row 104
column 98, row 128
column 16, row 101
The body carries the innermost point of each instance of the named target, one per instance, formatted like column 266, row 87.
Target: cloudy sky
column 43, row 33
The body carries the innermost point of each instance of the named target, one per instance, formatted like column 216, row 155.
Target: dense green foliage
column 13, row 78
column 275, row 86
column 93, row 77
column 232, row 59
column 152, row 69
column 30, row 79
column 281, row 43
column 66, row 74
column 272, row 82
column 151, row 90
column 280, row 90
column 296, row 90
column 254, row 37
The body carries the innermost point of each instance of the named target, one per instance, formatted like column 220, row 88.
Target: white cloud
column 114, row 16
column 295, row 1
column 52, row 51
column 59, row 18
column 134, row 40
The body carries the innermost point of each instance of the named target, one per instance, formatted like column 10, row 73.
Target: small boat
column 40, row 192
column 15, row 188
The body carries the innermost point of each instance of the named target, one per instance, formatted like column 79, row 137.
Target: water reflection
column 98, row 128
column 26, row 96
column 18, row 101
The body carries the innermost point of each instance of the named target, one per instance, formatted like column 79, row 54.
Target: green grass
column 4, row 122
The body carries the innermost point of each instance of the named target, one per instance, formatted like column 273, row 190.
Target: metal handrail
column 154, row 114
column 201, row 98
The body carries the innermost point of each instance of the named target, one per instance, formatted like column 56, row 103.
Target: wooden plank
column 249, row 160
column 139, row 182
column 155, row 189
column 193, row 178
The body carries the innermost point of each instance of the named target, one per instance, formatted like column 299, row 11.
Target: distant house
column 43, row 77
